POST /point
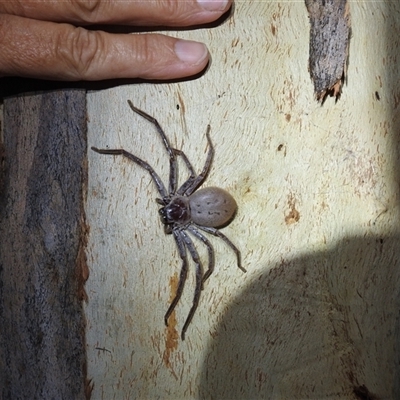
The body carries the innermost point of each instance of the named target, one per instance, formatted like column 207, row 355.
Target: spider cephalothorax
column 187, row 209
column 176, row 211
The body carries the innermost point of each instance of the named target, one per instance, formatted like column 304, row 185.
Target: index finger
column 49, row 50
column 127, row 12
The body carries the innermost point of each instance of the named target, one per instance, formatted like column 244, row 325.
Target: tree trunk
column 316, row 316
column 42, row 261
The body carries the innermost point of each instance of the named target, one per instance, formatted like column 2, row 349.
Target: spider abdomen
column 212, row 206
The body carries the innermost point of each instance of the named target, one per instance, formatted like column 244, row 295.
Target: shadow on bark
column 317, row 327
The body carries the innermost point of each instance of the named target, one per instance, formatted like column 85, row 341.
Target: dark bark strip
column 329, row 44
column 42, row 231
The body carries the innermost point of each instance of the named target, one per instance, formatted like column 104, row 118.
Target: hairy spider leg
column 182, row 277
column 173, row 171
column 194, row 181
column 199, row 280
column 156, row 179
column 184, row 242
column 192, row 172
column 157, row 125
column 173, row 176
column 211, row 255
column 216, row 232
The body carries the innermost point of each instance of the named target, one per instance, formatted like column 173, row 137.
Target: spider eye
column 163, row 216
column 177, row 211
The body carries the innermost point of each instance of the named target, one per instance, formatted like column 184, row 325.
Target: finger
column 49, row 50
column 145, row 13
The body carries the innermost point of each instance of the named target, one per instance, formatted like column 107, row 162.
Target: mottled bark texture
column 329, row 44
column 42, row 262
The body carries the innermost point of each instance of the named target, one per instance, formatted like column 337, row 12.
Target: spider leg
column 157, row 180
column 187, row 162
column 173, row 172
column 216, row 232
column 199, row 281
column 157, row 125
column 192, row 172
column 182, row 278
column 173, row 175
column 211, row 254
column 195, row 181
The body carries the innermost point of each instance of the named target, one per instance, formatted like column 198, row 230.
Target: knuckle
column 145, row 50
column 88, row 10
column 177, row 11
column 170, row 7
column 94, row 55
column 150, row 53
column 80, row 49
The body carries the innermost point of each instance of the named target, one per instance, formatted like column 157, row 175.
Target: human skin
column 47, row 39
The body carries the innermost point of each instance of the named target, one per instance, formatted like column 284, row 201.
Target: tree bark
column 42, row 261
column 329, row 45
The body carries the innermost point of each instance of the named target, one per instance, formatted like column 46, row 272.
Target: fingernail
column 213, row 5
column 191, row 52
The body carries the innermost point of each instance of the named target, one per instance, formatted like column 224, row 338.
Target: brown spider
column 186, row 209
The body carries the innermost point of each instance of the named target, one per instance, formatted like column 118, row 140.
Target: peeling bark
column 329, row 45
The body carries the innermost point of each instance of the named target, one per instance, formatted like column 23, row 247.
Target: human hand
column 46, row 38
